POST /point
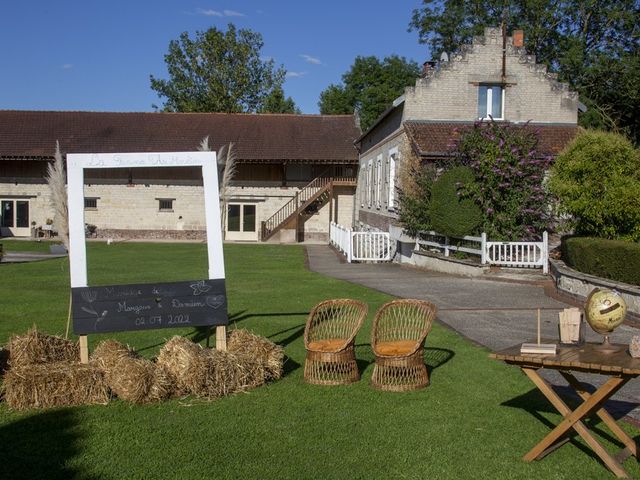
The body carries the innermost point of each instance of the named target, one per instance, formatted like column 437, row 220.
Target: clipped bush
column 612, row 259
column 452, row 214
column 597, row 182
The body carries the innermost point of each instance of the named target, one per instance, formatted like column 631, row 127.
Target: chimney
column 518, row 38
column 427, row 67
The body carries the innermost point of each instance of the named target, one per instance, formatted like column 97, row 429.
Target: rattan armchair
column 397, row 339
column 329, row 338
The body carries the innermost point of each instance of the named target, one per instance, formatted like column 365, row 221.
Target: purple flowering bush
column 510, row 173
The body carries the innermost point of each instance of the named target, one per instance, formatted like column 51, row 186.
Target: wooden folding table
column 620, row 367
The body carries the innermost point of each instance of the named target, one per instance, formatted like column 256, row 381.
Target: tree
column 597, row 182
column 277, row 103
column 217, row 72
column 579, row 39
column 369, row 87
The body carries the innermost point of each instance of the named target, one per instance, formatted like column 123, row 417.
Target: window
column 165, row 204
column 393, row 155
column 90, row 203
column 378, row 180
column 369, row 182
column 14, row 213
column 241, row 221
column 490, row 102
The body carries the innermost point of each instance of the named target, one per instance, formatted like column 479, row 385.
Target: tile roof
column 435, row 138
column 257, row 138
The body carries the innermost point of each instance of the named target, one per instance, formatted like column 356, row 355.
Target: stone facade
column 449, row 92
column 115, row 217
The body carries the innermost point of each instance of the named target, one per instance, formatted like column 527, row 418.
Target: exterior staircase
column 307, row 201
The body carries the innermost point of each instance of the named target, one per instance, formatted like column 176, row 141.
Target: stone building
column 295, row 173
column 477, row 83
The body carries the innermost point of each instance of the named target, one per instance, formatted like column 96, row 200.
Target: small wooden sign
column 118, row 308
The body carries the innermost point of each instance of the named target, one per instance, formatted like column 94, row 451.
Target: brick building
column 478, row 82
column 278, row 156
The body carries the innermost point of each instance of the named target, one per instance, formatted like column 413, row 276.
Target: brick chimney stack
column 427, row 67
column 518, row 38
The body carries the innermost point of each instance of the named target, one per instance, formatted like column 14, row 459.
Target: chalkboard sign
column 117, row 308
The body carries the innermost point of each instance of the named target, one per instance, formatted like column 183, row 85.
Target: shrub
column 509, row 174
column 451, row 214
column 414, row 199
column 613, row 259
column 597, row 182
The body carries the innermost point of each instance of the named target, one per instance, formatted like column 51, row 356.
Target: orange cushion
column 330, row 345
column 396, row 347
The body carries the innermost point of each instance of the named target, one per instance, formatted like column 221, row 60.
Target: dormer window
column 490, row 102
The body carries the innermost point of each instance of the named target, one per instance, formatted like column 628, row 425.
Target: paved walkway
column 22, row 257
column 494, row 313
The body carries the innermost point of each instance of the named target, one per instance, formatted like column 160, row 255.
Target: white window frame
column 369, row 181
column 391, row 192
column 490, row 101
column 378, row 180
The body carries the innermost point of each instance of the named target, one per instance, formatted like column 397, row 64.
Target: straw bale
column 36, row 347
column 108, row 353
column 208, row 373
column 262, row 350
column 54, row 385
column 177, row 357
column 162, row 387
column 130, row 376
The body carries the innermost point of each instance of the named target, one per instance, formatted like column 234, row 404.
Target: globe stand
column 606, row 347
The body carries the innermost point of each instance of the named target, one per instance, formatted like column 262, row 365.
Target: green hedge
column 613, row 259
column 452, row 215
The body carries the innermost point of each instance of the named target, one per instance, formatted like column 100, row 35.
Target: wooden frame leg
column 221, row 338
column 84, row 349
column 573, row 419
column 628, row 442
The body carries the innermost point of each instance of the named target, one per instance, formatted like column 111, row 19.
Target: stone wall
column 133, row 211
column 450, row 92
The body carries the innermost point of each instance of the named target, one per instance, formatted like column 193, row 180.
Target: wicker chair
column 329, row 338
column 397, row 339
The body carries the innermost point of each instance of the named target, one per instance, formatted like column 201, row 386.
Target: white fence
column 506, row 254
column 360, row 246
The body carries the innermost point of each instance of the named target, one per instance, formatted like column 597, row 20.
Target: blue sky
column 98, row 55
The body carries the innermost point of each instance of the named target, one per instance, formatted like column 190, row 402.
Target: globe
column 605, row 310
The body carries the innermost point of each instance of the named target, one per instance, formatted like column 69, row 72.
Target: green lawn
column 476, row 420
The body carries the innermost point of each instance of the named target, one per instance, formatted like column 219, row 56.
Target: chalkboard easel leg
column 84, row 349
column 221, row 338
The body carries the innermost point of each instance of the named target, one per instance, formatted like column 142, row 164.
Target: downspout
column 504, row 53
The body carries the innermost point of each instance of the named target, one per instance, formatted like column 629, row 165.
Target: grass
column 476, row 420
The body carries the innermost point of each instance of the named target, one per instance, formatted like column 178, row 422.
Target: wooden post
column 221, row 338
column 84, row 349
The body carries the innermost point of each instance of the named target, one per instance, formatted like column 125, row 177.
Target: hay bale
column 129, row 376
column 162, row 387
column 54, row 385
column 262, row 350
column 178, row 357
column 35, row 347
column 208, row 373
column 108, row 353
